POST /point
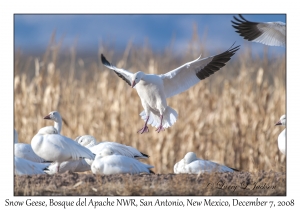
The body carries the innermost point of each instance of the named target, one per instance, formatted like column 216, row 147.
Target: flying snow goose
column 282, row 135
column 107, row 162
column 51, row 146
column 80, row 165
column 192, row 165
column 268, row 33
column 155, row 89
column 118, row 149
column 56, row 117
column 27, row 167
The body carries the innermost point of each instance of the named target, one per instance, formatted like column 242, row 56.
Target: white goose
column 27, row 167
column 282, row 135
column 192, row 165
column 155, row 89
column 71, row 165
column 51, row 146
column 25, row 151
column 268, row 33
column 119, row 149
column 56, row 117
column 107, row 163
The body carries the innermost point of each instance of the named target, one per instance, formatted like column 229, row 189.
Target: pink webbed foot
column 160, row 128
column 143, row 130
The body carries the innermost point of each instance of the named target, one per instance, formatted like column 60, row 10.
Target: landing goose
column 155, row 89
column 282, row 135
column 268, row 33
column 120, row 149
column 51, row 146
column 192, row 165
column 107, row 163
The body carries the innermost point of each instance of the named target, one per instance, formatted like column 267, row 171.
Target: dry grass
column 228, row 117
column 78, row 184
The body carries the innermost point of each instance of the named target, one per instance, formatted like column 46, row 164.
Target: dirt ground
column 69, row 183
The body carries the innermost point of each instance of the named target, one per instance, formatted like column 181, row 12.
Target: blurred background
column 228, row 118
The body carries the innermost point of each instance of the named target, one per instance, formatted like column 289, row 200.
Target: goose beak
column 47, row 117
column 278, row 123
column 133, row 84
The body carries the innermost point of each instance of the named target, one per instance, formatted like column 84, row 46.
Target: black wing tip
column 145, row 155
column 104, row 61
column 151, row 172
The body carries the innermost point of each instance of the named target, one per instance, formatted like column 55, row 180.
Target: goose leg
column 57, row 168
column 160, row 127
column 145, row 128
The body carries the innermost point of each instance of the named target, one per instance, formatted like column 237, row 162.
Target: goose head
column 55, row 116
column 86, row 140
column 190, row 157
column 105, row 152
column 137, row 78
column 281, row 121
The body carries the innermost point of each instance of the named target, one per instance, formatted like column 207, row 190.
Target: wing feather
column 189, row 74
column 125, row 75
column 268, row 33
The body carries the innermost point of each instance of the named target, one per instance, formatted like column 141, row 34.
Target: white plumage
column 268, row 33
column 107, row 163
column 192, row 165
column 80, row 165
column 27, row 167
column 51, row 146
column 25, row 151
column 153, row 90
column 56, row 117
column 282, row 135
column 118, row 149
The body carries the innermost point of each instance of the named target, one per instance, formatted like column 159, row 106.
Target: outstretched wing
column 189, row 74
column 124, row 74
column 268, row 33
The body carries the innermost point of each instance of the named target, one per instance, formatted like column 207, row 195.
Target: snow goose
column 282, row 135
column 27, row 167
column 119, row 149
column 268, row 33
column 155, row 89
column 71, row 165
column 192, row 165
column 25, row 151
column 56, row 117
column 51, row 146
column 107, row 163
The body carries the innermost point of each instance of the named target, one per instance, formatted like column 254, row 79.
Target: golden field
column 228, row 118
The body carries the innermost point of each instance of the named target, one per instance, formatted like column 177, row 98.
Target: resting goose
column 282, row 135
column 268, row 33
column 119, row 149
column 192, row 165
column 27, row 167
column 51, row 146
column 107, row 163
column 155, row 89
